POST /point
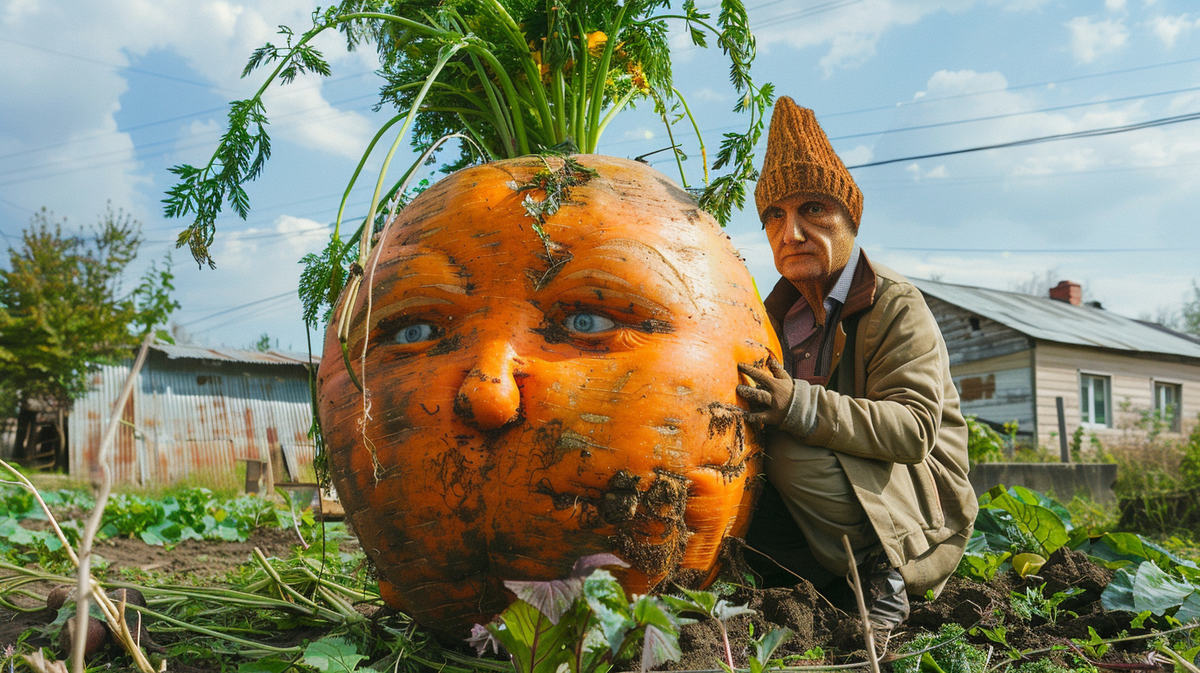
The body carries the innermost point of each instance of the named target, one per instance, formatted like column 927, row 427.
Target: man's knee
column 813, row 484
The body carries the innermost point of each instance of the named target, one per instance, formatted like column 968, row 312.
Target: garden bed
column 1088, row 601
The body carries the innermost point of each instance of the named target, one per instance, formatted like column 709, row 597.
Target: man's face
column 811, row 236
column 526, row 408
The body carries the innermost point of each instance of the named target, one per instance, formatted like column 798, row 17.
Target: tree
column 64, row 307
column 1185, row 318
column 263, row 344
column 1189, row 314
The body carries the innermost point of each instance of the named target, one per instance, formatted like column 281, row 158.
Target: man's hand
column 774, row 391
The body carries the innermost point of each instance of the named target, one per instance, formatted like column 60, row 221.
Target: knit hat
column 800, row 159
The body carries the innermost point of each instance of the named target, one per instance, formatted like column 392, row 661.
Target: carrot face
column 533, row 400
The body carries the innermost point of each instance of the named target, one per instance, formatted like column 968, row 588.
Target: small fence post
column 1064, row 449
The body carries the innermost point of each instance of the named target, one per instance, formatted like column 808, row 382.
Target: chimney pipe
column 1067, row 291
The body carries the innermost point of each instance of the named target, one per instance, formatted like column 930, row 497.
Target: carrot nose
column 489, row 397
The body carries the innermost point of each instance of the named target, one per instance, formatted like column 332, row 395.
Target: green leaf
column 264, row 666
column 332, row 655
column 536, row 645
column 552, row 598
column 1044, row 525
column 764, row 648
column 1118, row 595
column 1190, row 609
column 607, row 601
column 1157, row 592
column 228, row 534
column 659, row 647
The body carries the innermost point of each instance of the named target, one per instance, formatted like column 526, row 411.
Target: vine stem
column 86, row 584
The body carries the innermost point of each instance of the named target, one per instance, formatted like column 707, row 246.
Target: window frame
column 1177, row 420
column 1091, row 406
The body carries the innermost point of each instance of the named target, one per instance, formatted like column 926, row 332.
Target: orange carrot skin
column 530, row 402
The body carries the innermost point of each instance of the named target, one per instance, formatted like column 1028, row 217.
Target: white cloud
column 1092, row 39
column 708, row 95
column 1171, row 28
column 19, row 9
column 639, row 133
column 861, row 154
column 1114, row 5
column 74, row 157
column 988, row 96
column 851, row 32
column 918, row 173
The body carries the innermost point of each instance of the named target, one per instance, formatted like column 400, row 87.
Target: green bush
column 984, row 445
column 1189, row 467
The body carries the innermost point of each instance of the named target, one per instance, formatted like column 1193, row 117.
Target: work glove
column 774, row 392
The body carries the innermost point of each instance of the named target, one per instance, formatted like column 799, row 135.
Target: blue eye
column 588, row 323
column 416, row 334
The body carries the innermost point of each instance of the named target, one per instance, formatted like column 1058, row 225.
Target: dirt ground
column 189, row 559
column 198, row 558
column 817, row 622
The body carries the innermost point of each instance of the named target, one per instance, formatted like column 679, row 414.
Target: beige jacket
column 891, row 413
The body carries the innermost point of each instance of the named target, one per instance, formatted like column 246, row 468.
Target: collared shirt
column 800, row 328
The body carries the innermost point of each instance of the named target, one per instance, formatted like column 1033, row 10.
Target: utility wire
column 1111, row 130
column 160, row 122
column 1056, row 108
column 95, row 61
column 1035, row 251
column 144, row 150
column 258, row 314
column 238, row 308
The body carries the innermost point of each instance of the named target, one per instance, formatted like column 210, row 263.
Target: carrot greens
column 515, row 77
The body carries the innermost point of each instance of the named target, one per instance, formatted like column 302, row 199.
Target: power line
column 238, row 308
column 922, row 101
column 143, row 150
column 1056, row 108
column 95, row 61
column 687, row 133
column 160, row 122
column 238, row 319
column 1035, row 251
column 1111, row 130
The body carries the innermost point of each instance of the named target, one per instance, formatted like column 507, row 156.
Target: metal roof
column 1061, row 322
column 174, row 352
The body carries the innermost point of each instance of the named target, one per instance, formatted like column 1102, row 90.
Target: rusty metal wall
column 192, row 420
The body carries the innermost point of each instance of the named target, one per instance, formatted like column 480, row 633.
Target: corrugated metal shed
column 1061, row 322
column 195, row 412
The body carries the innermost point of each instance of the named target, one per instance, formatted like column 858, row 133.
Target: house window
column 1167, row 397
column 1095, row 404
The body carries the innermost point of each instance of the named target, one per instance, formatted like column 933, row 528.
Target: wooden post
column 1064, row 449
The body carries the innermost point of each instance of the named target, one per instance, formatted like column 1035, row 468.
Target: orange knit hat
column 800, row 159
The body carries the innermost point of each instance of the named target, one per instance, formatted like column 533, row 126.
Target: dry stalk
column 87, row 585
column 24, row 482
column 868, row 632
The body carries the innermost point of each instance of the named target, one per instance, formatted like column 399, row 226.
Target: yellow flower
column 596, row 42
column 637, row 75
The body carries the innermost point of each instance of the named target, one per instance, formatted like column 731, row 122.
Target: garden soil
column 833, row 625
column 818, row 620
column 190, row 559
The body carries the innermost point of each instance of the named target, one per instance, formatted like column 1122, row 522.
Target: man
column 867, row 440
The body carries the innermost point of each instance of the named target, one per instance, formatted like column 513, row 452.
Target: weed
column 953, row 654
column 1034, row 603
column 1094, row 647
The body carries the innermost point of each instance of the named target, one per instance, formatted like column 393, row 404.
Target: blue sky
column 101, row 97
